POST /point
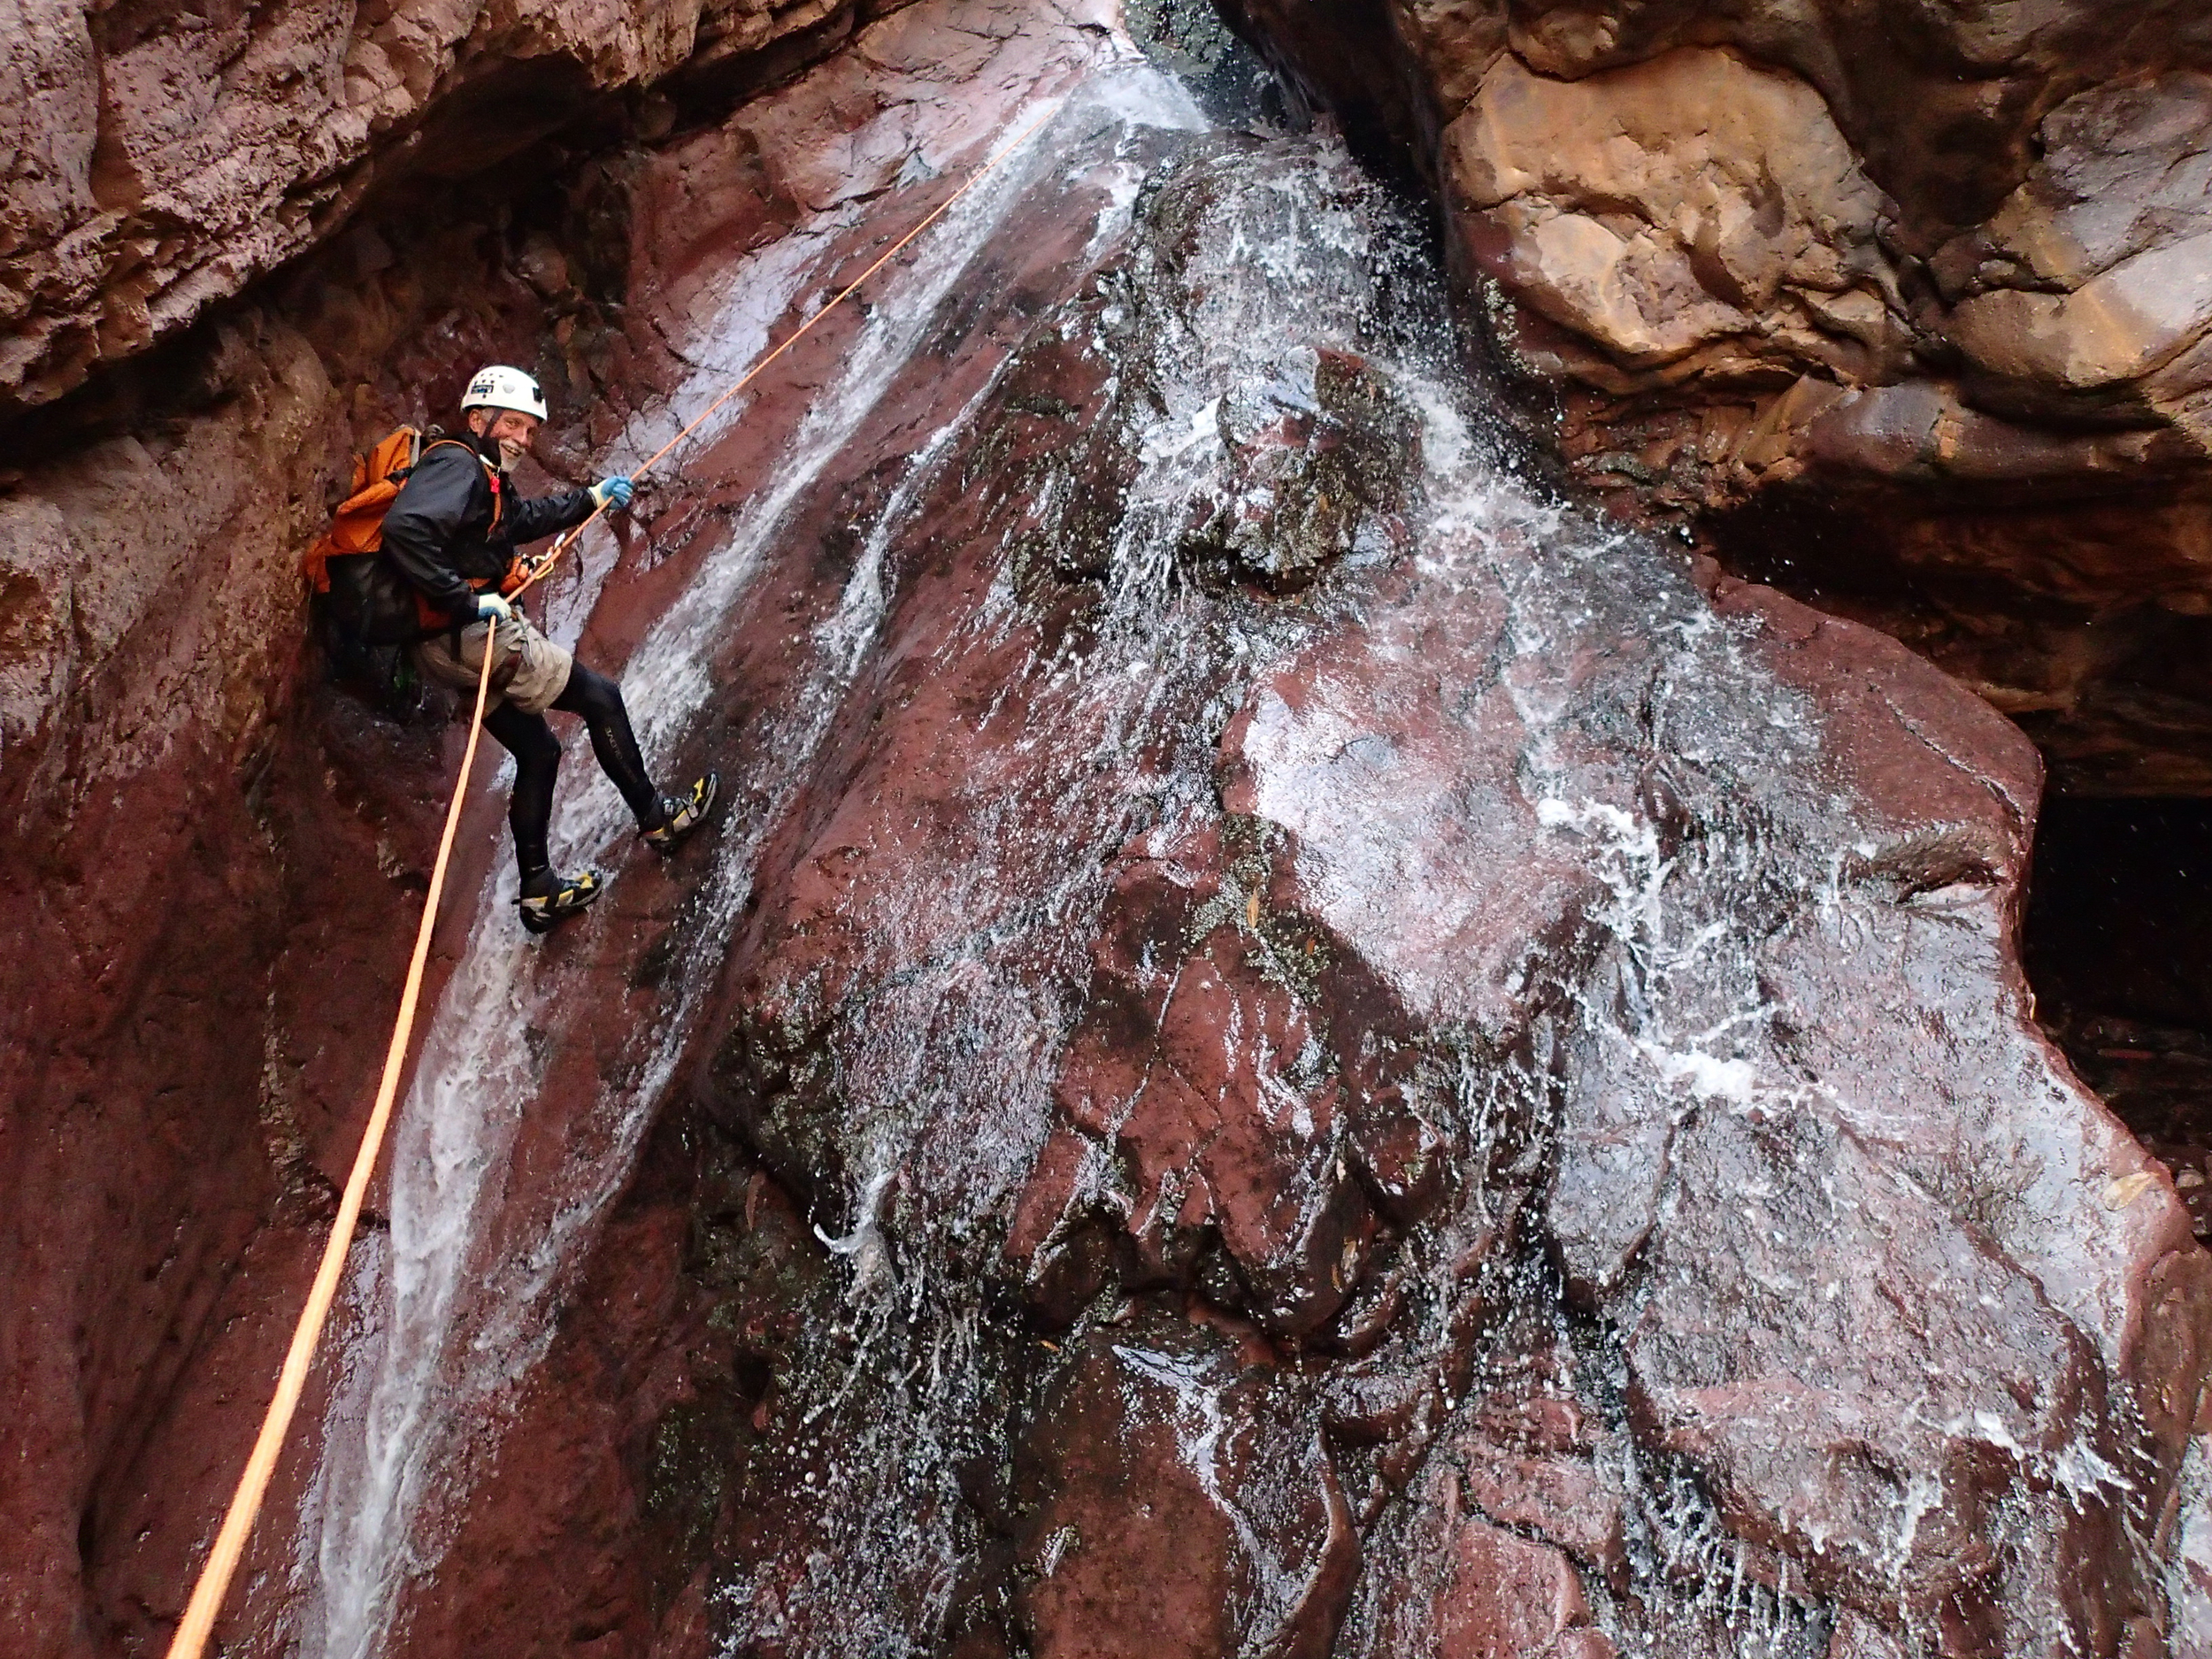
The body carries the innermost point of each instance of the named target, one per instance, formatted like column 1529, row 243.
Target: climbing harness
column 230, row 1542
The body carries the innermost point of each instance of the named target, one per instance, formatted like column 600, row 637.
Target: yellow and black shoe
column 682, row 814
column 564, row 897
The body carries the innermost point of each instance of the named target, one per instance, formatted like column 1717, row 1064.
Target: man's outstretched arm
column 528, row 520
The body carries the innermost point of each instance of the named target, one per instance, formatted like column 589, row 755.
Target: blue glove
column 490, row 607
column 611, row 492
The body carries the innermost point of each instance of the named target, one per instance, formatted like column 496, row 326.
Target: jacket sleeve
column 423, row 519
column 528, row 520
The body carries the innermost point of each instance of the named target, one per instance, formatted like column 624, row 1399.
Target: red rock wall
column 1209, row 1131
column 164, row 159
column 1240, row 1027
column 218, row 858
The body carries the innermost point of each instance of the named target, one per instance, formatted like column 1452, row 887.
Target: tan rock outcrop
column 1812, row 274
column 2092, row 282
column 1696, row 216
column 1699, row 223
column 1675, row 197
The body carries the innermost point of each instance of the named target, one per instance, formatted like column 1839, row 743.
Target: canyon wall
column 217, row 856
column 161, row 159
column 1293, row 1043
column 1322, row 1052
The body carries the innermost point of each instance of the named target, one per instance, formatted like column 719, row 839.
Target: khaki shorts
column 528, row 670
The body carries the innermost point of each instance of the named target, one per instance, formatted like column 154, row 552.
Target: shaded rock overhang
column 164, row 159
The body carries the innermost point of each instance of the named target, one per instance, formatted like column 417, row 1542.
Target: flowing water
column 1225, row 278
column 460, row 1313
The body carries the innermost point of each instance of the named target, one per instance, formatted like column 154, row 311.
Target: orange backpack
column 357, row 526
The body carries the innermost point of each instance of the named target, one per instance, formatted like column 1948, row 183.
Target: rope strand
column 230, row 1543
column 568, row 537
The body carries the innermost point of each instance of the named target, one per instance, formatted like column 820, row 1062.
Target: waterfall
column 1606, row 866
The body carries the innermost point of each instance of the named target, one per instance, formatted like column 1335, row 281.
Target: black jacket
column 438, row 531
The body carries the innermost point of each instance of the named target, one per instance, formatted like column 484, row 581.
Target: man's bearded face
column 510, row 428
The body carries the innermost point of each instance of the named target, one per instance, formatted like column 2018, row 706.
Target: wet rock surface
column 1905, row 312
column 213, row 848
column 1479, row 1103
column 221, row 855
column 1291, row 1045
column 1177, row 1499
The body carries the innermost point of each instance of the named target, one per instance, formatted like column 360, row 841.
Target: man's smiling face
column 510, row 428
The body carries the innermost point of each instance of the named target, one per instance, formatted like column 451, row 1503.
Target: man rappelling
column 449, row 535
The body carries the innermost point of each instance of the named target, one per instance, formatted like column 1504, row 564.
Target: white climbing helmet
column 498, row 387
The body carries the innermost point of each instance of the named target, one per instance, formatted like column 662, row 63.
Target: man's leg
column 537, row 754
column 543, row 676
column 599, row 699
column 665, row 821
column 546, row 898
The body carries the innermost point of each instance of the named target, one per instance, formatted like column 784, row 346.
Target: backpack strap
column 491, row 475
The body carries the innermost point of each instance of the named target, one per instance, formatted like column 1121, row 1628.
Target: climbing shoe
column 681, row 814
column 564, row 897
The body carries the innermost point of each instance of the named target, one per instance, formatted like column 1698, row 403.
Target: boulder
column 1696, row 216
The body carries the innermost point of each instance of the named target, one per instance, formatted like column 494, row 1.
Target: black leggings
column 537, row 754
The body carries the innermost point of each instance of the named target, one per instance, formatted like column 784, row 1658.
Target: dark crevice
column 2118, row 945
column 2026, row 605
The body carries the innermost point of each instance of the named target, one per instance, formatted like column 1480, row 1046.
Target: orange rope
column 245, row 1503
